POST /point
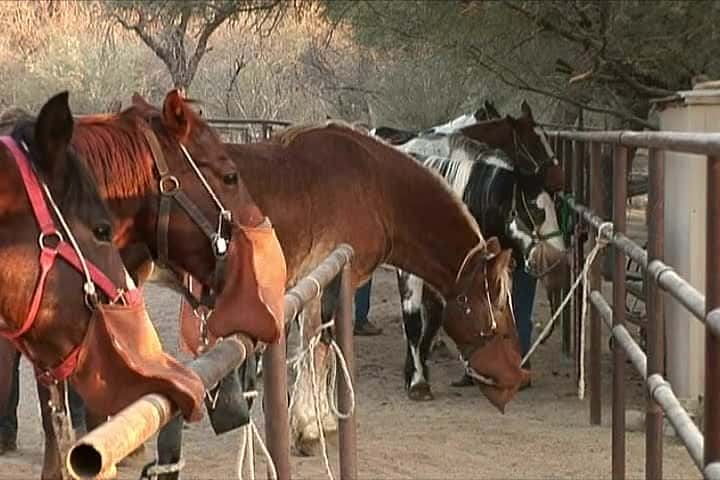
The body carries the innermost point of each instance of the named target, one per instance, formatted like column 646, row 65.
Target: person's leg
column 8, row 417
column 363, row 325
column 523, row 295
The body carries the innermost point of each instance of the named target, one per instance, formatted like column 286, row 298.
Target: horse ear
column 491, row 110
column 497, row 269
column 176, row 114
column 53, row 132
column 526, row 110
column 139, row 102
column 492, row 247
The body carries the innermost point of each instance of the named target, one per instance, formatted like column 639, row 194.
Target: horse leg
column 9, row 395
column 411, row 291
column 51, row 469
column 305, row 420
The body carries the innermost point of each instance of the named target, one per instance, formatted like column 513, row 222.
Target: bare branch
column 523, row 85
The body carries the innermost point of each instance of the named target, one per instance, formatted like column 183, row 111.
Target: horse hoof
column 307, row 447
column 7, row 446
column 420, row 393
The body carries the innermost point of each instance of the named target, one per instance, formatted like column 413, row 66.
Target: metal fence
column 234, row 130
column 704, row 448
column 100, row 450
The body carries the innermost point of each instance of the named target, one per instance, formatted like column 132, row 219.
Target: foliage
column 612, row 56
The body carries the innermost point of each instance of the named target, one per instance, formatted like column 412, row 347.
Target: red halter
column 48, row 254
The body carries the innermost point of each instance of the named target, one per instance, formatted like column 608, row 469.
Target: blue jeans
column 523, row 296
column 362, row 303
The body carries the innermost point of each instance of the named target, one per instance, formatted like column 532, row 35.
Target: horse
column 521, row 138
column 507, row 204
column 147, row 162
column 327, row 184
column 71, row 290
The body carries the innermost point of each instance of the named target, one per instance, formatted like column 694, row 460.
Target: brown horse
column 327, row 185
column 167, row 178
column 66, row 292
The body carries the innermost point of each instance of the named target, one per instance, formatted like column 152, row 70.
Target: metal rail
column 102, row 448
column 99, row 450
column 658, row 388
column 658, row 276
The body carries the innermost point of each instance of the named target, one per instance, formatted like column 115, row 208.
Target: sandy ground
column 544, row 434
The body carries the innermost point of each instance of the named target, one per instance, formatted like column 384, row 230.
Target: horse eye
column 103, row 232
column 230, row 179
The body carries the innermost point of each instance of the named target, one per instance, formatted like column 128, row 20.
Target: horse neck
column 431, row 230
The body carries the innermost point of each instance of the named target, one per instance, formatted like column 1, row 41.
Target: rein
column 69, row 251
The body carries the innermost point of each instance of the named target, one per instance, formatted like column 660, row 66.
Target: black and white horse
column 506, row 203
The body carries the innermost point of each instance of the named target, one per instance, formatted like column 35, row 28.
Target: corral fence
column 100, row 450
column 581, row 154
column 235, row 130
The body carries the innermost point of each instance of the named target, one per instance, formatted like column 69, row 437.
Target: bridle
column 483, row 337
column 37, row 192
column 170, row 192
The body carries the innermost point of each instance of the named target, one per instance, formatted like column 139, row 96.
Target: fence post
column 655, row 314
column 712, row 342
column 618, row 410
column 596, row 204
column 566, row 313
column 277, row 423
column 344, row 327
column 579, row 256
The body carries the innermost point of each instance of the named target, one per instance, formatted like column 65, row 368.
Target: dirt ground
column 545, row 432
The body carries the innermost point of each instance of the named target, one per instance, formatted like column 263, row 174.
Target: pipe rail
column 101, row 449
column 698, row 143
column 571, row 148
column 656, row 385
column 660, row 273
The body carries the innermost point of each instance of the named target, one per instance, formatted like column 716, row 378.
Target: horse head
column 478, row 316
column 69, row 280
column 236, row 256
column 523, row 139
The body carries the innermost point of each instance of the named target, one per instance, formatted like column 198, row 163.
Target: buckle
column 169, row 184
column 45, row 236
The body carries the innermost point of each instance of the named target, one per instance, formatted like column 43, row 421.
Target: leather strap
column 48, row 255
column 170, row 189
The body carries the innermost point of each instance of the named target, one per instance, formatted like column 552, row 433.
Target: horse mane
column 78, row 189
column 116, row 150
column 290, row 134
column 286, row 136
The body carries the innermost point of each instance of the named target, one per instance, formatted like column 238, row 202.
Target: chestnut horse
column 175, row 195
column 67, row 295
column 325, row 185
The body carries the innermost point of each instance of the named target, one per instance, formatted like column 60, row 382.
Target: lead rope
column 602, row 240
column 307, row 356
column 220, row 244
column 89, row 287
column 246, row 454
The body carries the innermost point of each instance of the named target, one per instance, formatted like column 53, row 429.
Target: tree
column 608, row 57
column 178, row 32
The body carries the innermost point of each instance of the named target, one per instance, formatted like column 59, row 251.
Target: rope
column 246, row 454
column 601, row 242
column 153, row 470
column 307, row 354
